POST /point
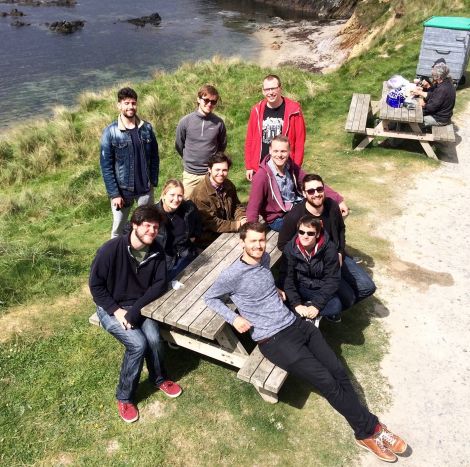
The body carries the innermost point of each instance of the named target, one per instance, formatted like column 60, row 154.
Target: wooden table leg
column 268, row 396
column 228, row 340
column 424, row 144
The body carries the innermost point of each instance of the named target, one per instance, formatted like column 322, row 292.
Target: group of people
column 317, row 277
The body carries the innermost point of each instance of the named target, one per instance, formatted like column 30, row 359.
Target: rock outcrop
column 66, row 27
column 154, row 20
column 331, row 9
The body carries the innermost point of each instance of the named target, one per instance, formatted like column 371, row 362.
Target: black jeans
column 301, row 350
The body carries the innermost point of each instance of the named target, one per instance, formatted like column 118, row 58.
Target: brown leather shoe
column 392, row 441
column 375, row 445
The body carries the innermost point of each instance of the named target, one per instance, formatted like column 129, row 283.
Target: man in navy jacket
column 129, row 272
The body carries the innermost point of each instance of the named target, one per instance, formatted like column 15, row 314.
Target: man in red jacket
column 270, row 117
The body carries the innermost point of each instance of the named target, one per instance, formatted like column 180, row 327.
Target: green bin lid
column 448, row 22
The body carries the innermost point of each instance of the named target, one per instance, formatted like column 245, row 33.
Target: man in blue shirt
column 292, row 343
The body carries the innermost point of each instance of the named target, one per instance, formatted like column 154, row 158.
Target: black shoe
column 333, row 319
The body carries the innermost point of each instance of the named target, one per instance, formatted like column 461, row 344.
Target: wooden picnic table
column 190, row 324
column 362, row 107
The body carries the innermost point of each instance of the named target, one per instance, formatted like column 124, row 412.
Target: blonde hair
column 172, row 183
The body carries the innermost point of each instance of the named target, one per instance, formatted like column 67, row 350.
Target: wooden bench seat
column 444, row 133
column 264, row 375
column 358, row 112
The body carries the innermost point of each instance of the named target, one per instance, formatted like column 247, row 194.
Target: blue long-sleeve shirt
column 253, row 291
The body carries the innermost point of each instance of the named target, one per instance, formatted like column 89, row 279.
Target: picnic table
column 190, row 324
column 363, row 109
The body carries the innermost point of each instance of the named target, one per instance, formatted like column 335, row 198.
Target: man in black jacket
column 355, row 282
column 129, row 272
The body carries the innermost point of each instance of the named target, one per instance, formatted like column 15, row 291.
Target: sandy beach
column 309, row 45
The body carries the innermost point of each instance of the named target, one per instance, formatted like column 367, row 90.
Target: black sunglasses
column 311, row 191
column 303, row 232
column 212, row 101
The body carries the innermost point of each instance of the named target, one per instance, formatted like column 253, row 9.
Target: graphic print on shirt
column 272, row 127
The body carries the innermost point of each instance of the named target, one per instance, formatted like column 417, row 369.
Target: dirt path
column 427, row 294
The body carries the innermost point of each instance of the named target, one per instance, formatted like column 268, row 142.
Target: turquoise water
column 41, row 69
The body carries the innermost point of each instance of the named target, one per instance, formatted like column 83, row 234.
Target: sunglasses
column 310, row 233
column 212, row 101
column 319, row 189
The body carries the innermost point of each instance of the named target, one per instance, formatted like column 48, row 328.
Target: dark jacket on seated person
column 175, row 237
column 319, row 273
column 118, row 280
column 440, row 102
column 219, row 211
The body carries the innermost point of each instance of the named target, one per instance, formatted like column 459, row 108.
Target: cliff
column 327, row 9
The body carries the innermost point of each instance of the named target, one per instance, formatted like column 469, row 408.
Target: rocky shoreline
column 314, row 46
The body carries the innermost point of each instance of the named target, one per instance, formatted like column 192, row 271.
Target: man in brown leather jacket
column 217, row 201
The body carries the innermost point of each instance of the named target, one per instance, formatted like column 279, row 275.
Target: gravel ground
column 426, row 291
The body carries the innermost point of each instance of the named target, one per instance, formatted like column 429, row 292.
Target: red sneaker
column 128, row 411
column 170, row 388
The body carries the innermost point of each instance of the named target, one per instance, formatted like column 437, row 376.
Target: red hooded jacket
column 293, row 127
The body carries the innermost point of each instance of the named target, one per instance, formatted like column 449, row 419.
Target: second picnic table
column 362, row 107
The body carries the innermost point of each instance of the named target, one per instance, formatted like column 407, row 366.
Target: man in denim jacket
column 129, row 160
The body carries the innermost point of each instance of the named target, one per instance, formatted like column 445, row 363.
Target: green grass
column 57, row 374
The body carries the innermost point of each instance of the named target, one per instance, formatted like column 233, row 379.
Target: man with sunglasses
column 275, row 186
column 200, row 135
column 292, row 343
column 355, row 283
column 272, row 116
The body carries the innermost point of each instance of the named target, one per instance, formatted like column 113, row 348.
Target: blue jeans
column 144, row 342
column 333, row 306
column 276, row 224
column 358, row 280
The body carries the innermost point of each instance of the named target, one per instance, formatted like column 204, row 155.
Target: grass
column 58, row 373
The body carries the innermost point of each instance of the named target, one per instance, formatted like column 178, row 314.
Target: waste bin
column 446, row 37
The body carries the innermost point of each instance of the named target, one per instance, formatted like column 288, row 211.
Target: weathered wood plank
column 275, row 380
column 351, row 113
column 196, row 282
column 195, row 297
column 195, row 265
column 214, row 326
column 261, row 374
column 93, row 319
column 250, row 366
column 358, row 111
column 364, row 113
column 205, row 348
column 443, row 133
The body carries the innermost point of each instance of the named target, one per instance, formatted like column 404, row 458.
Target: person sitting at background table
column 180, row 227
column 439, row 100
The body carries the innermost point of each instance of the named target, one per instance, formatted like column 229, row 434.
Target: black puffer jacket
column 321, row 273
column 193, row 226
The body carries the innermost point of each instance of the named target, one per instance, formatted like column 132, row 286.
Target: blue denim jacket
column 117, row 156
